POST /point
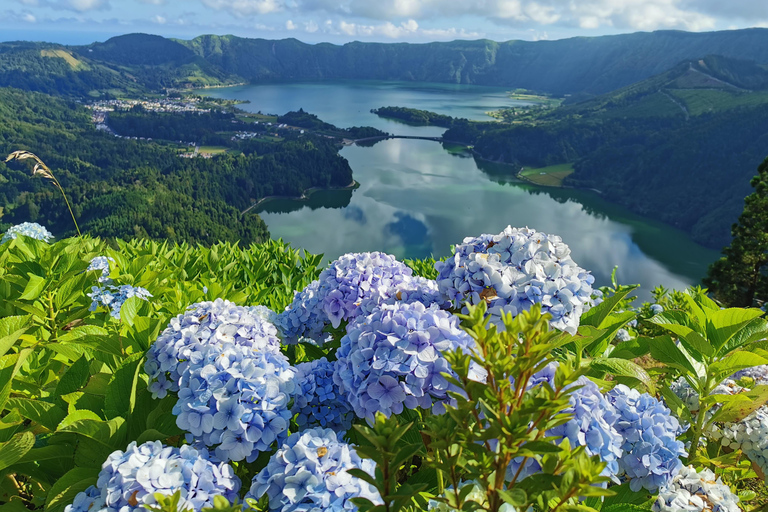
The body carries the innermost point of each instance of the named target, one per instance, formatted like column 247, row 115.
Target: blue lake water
column 416, row 198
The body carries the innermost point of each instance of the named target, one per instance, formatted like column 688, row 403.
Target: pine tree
column 740, row 277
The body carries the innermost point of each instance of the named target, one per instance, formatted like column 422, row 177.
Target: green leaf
column 624, row 507
column 679, row 324
column 738, row 410
column 13, row 450
column 676, row 404
column 723, row 324
column 11, row 328
column 598, row 314
column 623, row 368
column 45, row 413
column 664, row 350
column 93, row 337
column 624, row 496
column 76, row 416
column 69, row 291
column 34, row 288
column 120, row 398
column 734, row 362
column 130, row 309
column 68, row 486
column 74, row 378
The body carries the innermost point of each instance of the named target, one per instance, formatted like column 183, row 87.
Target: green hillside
column 582, row 67
column 130, row 188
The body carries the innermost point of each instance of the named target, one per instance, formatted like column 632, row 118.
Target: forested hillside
column 583, row 66
column 124, row 188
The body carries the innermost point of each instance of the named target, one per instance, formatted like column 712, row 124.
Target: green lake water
column 417, row 198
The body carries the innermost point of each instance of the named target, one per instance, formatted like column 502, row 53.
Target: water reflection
column 418, row 199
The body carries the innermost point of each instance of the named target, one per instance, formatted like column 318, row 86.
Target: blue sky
column 340, row 21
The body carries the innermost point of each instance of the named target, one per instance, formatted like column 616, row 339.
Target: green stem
column 66, row 200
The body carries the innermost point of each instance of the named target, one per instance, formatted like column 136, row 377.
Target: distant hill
column 581, row 66
column 693, row 87
column 578, row 65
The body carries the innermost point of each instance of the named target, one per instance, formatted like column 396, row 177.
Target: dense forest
column 124, row 188
column 415, row 116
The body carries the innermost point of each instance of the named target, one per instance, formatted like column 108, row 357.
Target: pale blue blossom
column 113, row 297
column 129, row 480
column 692, row 491
column 318, row 402
column 30, row 229
column 309, row 473
column 514, row 270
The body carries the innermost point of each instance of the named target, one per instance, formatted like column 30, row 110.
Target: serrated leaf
column 15, row 449
column 11, row 328
column 664, row 350
column 624, row 368
column 74, row 378
column 597, row 315
column 734, row 362
column 725, row 323
column 738, row 410
column 120, row 398
column 34, row 288
column 45, row 413
column 68, row 486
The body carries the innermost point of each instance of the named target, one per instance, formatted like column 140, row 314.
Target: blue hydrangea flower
column 337, row 294
column 317, row 401
column 112, row 297
column 656, row 309
column 652, row 451
column 514, row 270
column 303, row 319
column 205, row 323
column 757, row 373
column 309, row 473
column 30, row 229
column 128, row 480
column 591, row 426
column 623, row 335
column 101, row 263
column 692, row 491
column 235, row 399
column 393, row 358
column 408, row 290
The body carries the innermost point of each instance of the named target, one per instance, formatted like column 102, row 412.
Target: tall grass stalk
column 40, row 169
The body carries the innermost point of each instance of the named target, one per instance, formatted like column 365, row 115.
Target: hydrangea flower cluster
column 656, row 309
column 623, row 335
column 30, row 229
column 591, row 426
column 309, row 473
column 407, row 291
column 651, row 449
column 317, row 401
column 692, row 491
column 336, row 295
column 128, row 480
column 757, row 373
column 475, row 494
column 514, row 270
column 393, row 358
column 205, row 323
column 236, row 399
column 683, row 390
column 101, row 263
column 113, row 297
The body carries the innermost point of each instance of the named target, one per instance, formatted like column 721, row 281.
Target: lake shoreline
column 303, row 197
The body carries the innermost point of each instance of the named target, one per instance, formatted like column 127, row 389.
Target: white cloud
column 87, row 5
column 160, row 20
column 29, row 17
column 290, row 25
column 310, row 27
column 243, row 8
column 409, row 29
column 153, row 2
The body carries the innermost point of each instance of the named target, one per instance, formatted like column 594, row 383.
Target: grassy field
column 700, row 101
column 551, row 176
column 213, row 150
column 68, row 57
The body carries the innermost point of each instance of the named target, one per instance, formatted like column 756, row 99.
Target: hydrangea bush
column 30, row 229
column 129, row 479
column 393, row 359
column 310, row 472
column 516, row 412
column 512, row 271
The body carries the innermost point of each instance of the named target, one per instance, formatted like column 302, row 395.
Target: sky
column 341, row 21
